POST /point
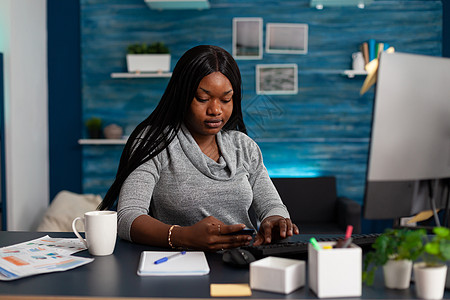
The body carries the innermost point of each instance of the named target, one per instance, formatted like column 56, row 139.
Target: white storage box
column 276, row 274
column 335, row 272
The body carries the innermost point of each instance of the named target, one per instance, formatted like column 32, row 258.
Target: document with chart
column 42, row 255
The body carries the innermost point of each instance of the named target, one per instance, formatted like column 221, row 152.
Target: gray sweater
column 181, row 185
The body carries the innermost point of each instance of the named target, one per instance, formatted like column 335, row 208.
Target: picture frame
column 247, row 38
column 277, row 79
column 287, row 38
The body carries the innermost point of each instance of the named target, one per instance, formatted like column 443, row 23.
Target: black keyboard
column 299, row 248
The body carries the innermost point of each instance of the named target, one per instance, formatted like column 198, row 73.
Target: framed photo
column 287, row 38
column 247, row 38
column 280, row 79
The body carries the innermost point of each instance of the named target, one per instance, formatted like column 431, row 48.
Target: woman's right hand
column 210, row 234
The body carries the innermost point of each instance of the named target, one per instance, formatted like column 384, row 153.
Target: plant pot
column 397, row 274
column 447, row 283
column 113, row 131
column 430, row 281
column 94, row 133
column 148, row 63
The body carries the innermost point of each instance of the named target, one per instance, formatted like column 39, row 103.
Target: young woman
column 189, row 173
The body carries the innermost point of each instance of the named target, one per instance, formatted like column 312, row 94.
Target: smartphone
column 245, row 231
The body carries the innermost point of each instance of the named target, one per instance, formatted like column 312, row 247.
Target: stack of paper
column 39, row 256
column 191, row 263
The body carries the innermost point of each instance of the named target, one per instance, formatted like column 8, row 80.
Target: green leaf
column 94, row 123
column 432, row 248
column 442, row 232
column 445, row 249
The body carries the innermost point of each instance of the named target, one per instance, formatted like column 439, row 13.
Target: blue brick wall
column 323, row 130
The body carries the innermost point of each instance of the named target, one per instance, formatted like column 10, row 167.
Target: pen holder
column 335, row 272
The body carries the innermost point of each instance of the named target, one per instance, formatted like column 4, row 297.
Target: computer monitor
column 409, row 153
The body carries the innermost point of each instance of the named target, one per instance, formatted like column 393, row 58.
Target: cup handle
column 74, row 222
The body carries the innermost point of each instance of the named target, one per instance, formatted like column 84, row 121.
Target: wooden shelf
column 141, row 75
column 352, row 73
column 102, row 141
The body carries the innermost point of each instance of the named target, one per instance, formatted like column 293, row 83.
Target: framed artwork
column 247, row 38
column 279, row 79
column 287, row 38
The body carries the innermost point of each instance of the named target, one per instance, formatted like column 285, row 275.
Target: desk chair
column 315, row 207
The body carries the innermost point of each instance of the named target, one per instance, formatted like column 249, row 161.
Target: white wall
column 23, row 40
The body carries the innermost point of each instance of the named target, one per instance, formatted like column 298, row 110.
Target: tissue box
column 276, row 274
column 335, row 272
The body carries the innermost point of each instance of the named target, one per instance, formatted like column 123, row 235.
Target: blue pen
column 166, row 258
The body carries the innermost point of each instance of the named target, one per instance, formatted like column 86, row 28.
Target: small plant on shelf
column 143, row 48
column 154, row 57
column 94, row 127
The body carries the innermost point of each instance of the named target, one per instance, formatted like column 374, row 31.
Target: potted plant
column 94, row 127
column 430, row 274
column 148, row 58
column 394, row 250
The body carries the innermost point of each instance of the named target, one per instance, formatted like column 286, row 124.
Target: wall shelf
column 348, row 73
column 102, row 141
column 178, row 4
column 320, row 4
column 141, row 75
column 352, row 73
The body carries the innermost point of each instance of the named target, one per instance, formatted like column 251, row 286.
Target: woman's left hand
column 275, row 227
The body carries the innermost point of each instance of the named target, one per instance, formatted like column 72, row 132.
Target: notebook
column 191, row 263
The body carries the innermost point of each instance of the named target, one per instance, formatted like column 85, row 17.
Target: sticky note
column 230, row 290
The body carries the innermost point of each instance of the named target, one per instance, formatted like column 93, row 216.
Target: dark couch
column 315, row 207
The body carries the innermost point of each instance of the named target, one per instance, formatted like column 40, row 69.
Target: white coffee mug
column 100, row 230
